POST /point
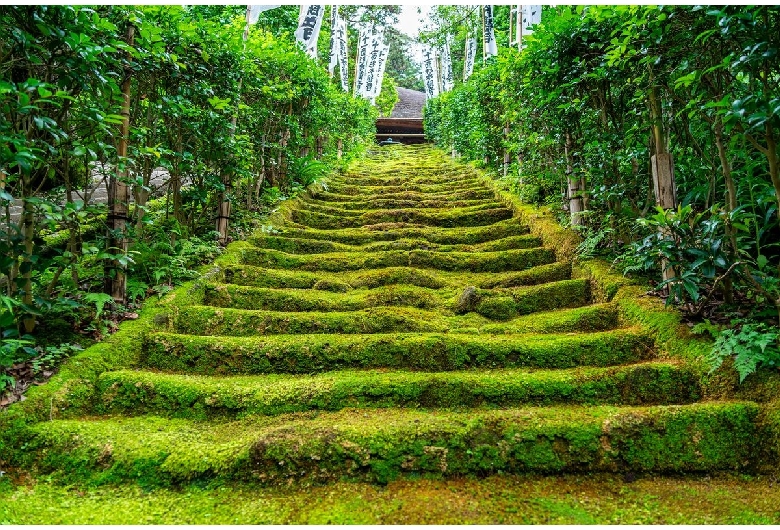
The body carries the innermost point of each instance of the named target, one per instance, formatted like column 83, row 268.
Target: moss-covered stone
column 237, row 376
column 384, row 444
column 314, row 246
column 444, row 218
column 506, row 260
column 198, row 397
column 421, row 351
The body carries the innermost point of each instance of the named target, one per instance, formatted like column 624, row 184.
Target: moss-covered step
column 242, row 297
column 424, row 189
column 496, row 305
column 432, row 179
column 336, row 209
column 224, row 355
column 483, row 194
column 392, row 232
column 392, row 204
column 252, row 276
column 207, row 320
column 498, row 261
column 383, row 444
column 131, row 392
column 449, row 218
column 293, row 245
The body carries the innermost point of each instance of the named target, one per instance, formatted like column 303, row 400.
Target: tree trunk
column 574, row 193
column 28, row 233
column 119, row 196
column 662, row 164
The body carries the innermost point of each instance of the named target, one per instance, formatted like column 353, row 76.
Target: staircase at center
column 397, row 320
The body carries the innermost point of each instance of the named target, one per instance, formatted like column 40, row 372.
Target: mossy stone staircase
column 398, row 319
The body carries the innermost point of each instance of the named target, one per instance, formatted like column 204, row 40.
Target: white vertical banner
column 379, row 75
column 489, row 34
column 447, row 79
column 333, row 58
column 343, row 51
column 253, row 13
column 309, row 24
column 362, row 60
column 372, row 61
column 430, row 75
column 531, row 15
column 471, row 52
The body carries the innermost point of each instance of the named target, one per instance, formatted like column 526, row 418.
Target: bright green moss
column 471, row 194
column 393, row 204
column 449, row 218
column 240, row 297
column 422, row 351
column 384, row 444
column 507, row 260
column 251, row 276
column 314, row 246
column 198, row 397
column 599, row 498
column 443, row 236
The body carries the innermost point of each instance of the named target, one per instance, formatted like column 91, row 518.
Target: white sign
column 343, row 50
column 309, row 23
column 360, row 74
column 447, row 79
column 379, row 75
column 253, row 13
column 334, row 43
column 373, row 52
column 468, row 63
column 489, row 33
column 531, row 15
column 430, row 75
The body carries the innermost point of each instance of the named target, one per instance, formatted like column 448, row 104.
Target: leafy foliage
column 579, row 103
column 214, row 117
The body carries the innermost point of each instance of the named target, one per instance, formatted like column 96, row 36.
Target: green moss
column 194, row 397
column 240, row 297
column 393, row 204
column 203, row 320
column 313, row 246
column 507, row 260
column 469, row 194
column 443, row 218
column 442, row 236
column 567, row 499
column 422, row 351
column 384, row 444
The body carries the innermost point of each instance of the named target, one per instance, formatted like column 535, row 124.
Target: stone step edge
column 383, row 444
column 136, row 392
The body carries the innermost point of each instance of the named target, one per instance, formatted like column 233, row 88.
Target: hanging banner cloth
column 253, row 13
column 309, row 23
column 372, row 62
column 530, row 15
column 488, row 32
column 360, row 72
column 379, row 74
column 447, row 79
column 468, row 63
column 343, row 51
column 334, row 42
column 430, row 75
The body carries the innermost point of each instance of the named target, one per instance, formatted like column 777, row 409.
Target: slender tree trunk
column 661, row 163
column 731, row 205
column 574, row 192
column 28, row 233
column 119, row 196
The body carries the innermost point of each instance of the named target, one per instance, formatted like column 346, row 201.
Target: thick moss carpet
column 398, row 322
